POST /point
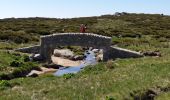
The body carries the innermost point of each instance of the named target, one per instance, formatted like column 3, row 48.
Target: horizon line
column 79, row 16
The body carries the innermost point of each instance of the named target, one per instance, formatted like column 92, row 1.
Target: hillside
column 127, row 25
column 121, row 79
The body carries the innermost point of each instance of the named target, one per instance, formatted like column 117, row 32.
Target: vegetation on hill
column 23, row 30
column 122, row 79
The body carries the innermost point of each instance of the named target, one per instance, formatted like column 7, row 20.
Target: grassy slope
column 4, row 62
column 28, row 30
column 129, row 75
column 164, row 96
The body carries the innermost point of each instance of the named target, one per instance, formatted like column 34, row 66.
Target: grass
column 96, row 82
column 164, row 96
column 113, row 80
column 11, row 45
column 14, row 65
column 5, row 58
column 26, row 30
column 107, row 80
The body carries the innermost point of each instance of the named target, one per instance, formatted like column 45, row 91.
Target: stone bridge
column 49, row 42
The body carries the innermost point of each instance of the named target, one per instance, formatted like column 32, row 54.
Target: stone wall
column 32, row 49
column 116, row 52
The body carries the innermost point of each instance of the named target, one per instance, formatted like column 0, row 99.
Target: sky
column 79, row 8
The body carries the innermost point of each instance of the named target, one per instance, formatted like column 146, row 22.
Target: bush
column 25, row 69
column 6, row 76
column 26, row 58
column 20, row 72
column 15, row 63
column 4, row 83
column 68, row 76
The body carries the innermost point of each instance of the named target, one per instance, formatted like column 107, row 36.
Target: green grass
column 96, row 82
column 164, row 96
column 116, row 80
column 12, row 45
column 26, row 30
column 5, row 58
column 13, row 65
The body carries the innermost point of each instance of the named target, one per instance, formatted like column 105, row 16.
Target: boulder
column 52, row 65
column 78, row 57
column 95, row 50
column 99, row 57
column 152, row 53
column 66, row 53
column 35, row 57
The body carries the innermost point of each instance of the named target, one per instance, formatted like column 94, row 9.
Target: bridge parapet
column 77, row 39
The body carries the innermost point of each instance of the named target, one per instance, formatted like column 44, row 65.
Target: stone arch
column 49, row 42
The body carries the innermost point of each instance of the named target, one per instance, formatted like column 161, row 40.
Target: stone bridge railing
column 31, row 49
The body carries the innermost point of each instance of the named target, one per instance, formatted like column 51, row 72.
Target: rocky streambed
column 90, row 59
column 64, row 61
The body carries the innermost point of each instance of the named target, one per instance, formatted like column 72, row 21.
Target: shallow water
column 89, row 60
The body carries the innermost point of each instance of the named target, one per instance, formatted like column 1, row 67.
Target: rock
column 87, row 52
column 63, row 53
column 52, row 65
column 78, row 57
column 35, row 57
column 152, row 53
column 95, row 50
column 90, row 48
column 85, row 48
column 99, row 57
column 98, row 54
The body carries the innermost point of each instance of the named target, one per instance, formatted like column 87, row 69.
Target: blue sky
column 79, row 8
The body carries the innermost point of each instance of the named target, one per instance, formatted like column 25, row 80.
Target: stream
column 89, row 60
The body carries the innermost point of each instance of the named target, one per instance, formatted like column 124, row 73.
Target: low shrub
column 110, row 98
column 4, row 83
column 25, row 58
column 21, row 71
column 24, row 70
column 16, row 63
column 68, row 76
column 6, row 76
